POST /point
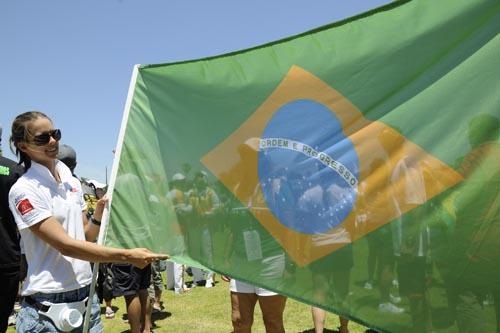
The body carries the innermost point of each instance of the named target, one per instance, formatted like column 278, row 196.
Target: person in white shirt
column 47, row 204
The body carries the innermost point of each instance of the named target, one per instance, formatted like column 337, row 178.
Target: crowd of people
column 50, row 222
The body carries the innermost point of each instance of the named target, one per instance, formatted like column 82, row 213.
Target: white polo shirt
column 35, row 197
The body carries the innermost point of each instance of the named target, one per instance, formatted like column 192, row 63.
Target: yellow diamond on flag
column 319, row 175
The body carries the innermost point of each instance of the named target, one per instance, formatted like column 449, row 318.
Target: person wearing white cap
column 97, row 184
column 99, row 188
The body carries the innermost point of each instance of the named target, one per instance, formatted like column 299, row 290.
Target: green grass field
column 209, row 310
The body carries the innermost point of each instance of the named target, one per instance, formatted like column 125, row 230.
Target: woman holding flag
column 47, row 203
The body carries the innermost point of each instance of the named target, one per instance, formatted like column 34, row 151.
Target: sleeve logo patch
column 24, row 206
column 4, row 171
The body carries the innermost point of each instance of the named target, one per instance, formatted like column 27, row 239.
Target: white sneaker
column 209, row 283
column 390, row 308
column 368, row 285
column 395, row 299
column 109, row 314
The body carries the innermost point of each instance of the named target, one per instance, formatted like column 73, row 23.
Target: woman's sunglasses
column 44, row 138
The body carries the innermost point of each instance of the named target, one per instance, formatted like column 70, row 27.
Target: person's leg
column 242, row 309
column 9, row 282
column 144, row 278
column 344, row 323
column 151, row 295
column 138, row 281
column 318, row 316
column 157, row 299
column 109, row 313
column 107, row 289
column 170, row 275
column 386, row 264
column 384, row 282
column 146, row 310
column 209, row 280
column 341, row 280
column 95, row 324
column 469, row 311
column 134, row 312
column 372, row 260
column 388, row 301
column 157, row 282
column 420, row 313
column 417, row 294
column 272, row 312
column 108, row 302
column 183, row 270
column 179, row 286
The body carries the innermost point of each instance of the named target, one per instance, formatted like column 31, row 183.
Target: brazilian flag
column 355, row 167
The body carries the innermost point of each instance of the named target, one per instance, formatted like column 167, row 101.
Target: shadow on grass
column 201, row 283
column 160, row 315
column 326, row 330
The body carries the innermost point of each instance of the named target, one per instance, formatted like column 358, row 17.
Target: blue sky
column 73, row 59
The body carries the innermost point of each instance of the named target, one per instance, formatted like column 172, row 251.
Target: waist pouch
column 65, row 316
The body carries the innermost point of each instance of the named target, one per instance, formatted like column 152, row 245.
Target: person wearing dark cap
column 67, row 155
column 10, row 260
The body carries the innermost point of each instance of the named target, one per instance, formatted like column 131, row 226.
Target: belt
column 37, row 305
column 40, row 306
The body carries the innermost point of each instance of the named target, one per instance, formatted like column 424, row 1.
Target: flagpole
column 114, row 171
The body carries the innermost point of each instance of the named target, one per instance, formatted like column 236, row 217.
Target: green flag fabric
column 355, row 167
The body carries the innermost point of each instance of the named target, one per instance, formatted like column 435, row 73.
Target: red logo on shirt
column 24, row 206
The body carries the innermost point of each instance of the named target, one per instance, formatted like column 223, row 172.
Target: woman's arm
column 92, row 230
column 51, row 232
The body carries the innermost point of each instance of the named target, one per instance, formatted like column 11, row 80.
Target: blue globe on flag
column 308, row 169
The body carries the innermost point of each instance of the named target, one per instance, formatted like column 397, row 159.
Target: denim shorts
column 29, row 320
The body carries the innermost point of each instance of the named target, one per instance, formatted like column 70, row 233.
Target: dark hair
column 20, row 134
